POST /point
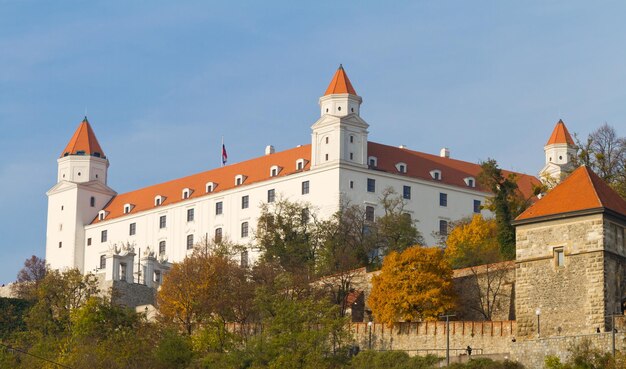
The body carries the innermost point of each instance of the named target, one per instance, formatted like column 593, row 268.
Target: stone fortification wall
column 7, row 291
column 485, row 292
column 430, row 337
column 570, row 298
column 127, row 294
column 532, row 353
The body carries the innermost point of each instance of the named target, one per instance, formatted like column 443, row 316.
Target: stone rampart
column 430, row 337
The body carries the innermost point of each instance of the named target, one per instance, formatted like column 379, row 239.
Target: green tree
column 507, row 203
column 396, row 229
column 300, row 333
column 286, row 233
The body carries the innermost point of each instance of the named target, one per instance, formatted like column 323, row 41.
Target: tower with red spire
column 74, row 201
column 560, row 150
column 340, row 135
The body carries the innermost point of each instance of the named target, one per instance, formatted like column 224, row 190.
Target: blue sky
column 163, row 81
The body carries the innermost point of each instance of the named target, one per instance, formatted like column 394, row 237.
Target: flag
column 224, row 154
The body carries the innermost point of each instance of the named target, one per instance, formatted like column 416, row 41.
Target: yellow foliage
column 473, row 243
column 413, row 285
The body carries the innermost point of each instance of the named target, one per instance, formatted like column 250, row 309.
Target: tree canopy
column 413, row 285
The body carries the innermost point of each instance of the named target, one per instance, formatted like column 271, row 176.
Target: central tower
column 340, row 135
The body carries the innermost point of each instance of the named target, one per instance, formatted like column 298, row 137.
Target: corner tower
column 571, row 259
column 340, row 135
column 80, row 193
column 559, row 151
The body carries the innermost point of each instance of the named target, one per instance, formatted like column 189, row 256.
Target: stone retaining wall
column 430, row 337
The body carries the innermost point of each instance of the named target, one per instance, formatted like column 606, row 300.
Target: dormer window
column 158, row 200
column 128, row 208
column 401, row 167
column 470, row 181
column 210, row 187
column 102, row 214
column 372, row 161
column 187, row 192
column 240, row 179
column 436, row 174
column 300, row 163
column 274, row 170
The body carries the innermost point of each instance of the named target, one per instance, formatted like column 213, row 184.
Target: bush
column 483, row 363
column 392, row 360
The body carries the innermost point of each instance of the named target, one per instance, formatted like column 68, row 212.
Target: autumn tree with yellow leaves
column 413, row 285
column 473, row 242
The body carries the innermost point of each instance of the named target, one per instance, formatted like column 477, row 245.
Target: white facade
column 340, row 164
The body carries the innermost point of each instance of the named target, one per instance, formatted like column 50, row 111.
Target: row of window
column 239, row 180
column 406, row 194
column 190, row 241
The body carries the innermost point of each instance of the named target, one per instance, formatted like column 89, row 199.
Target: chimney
column 444, row 153
column 269, row 149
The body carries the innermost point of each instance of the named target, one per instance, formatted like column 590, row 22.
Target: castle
column 94, row 229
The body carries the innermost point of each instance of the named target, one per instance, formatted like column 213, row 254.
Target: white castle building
column 93, row 228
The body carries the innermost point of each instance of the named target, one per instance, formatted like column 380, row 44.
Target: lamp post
column 369, row 325
column 538, row 313
column 447, row 316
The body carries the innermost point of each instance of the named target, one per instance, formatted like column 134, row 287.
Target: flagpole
column 222, row 152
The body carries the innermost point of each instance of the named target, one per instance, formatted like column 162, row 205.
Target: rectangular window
column 559, row 258
column 244, row 259
column 162, row 248
column 218, row 235
column 132, row 229
column 443, row 227
column 351, row 156
column 371, row 185
column 219, row 208
column 245, row 202
column 477, row 206
column 443, row 199
column 103, row 261
column 271, row 195
column 351, row 184
column 190, row 215
column 103, row 236
column 305, row 187
column 189, row 241
column 406, row 192
column 92, row 201
column 60, row 244
column 162, row 221
column 369, row 213
column 305, row 215
column 89, row 241
column 620, row 238
column 244, row 229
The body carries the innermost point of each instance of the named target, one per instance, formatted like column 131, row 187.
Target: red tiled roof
column 582, row 190
column 453, row 172
column 340, row 84
column 84, row 141
column 257, row 170
column 560, row 135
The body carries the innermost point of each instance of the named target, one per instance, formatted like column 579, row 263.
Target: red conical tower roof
column 582, row 190
column 83, row 142
column 560, row 135
column 340, row 84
